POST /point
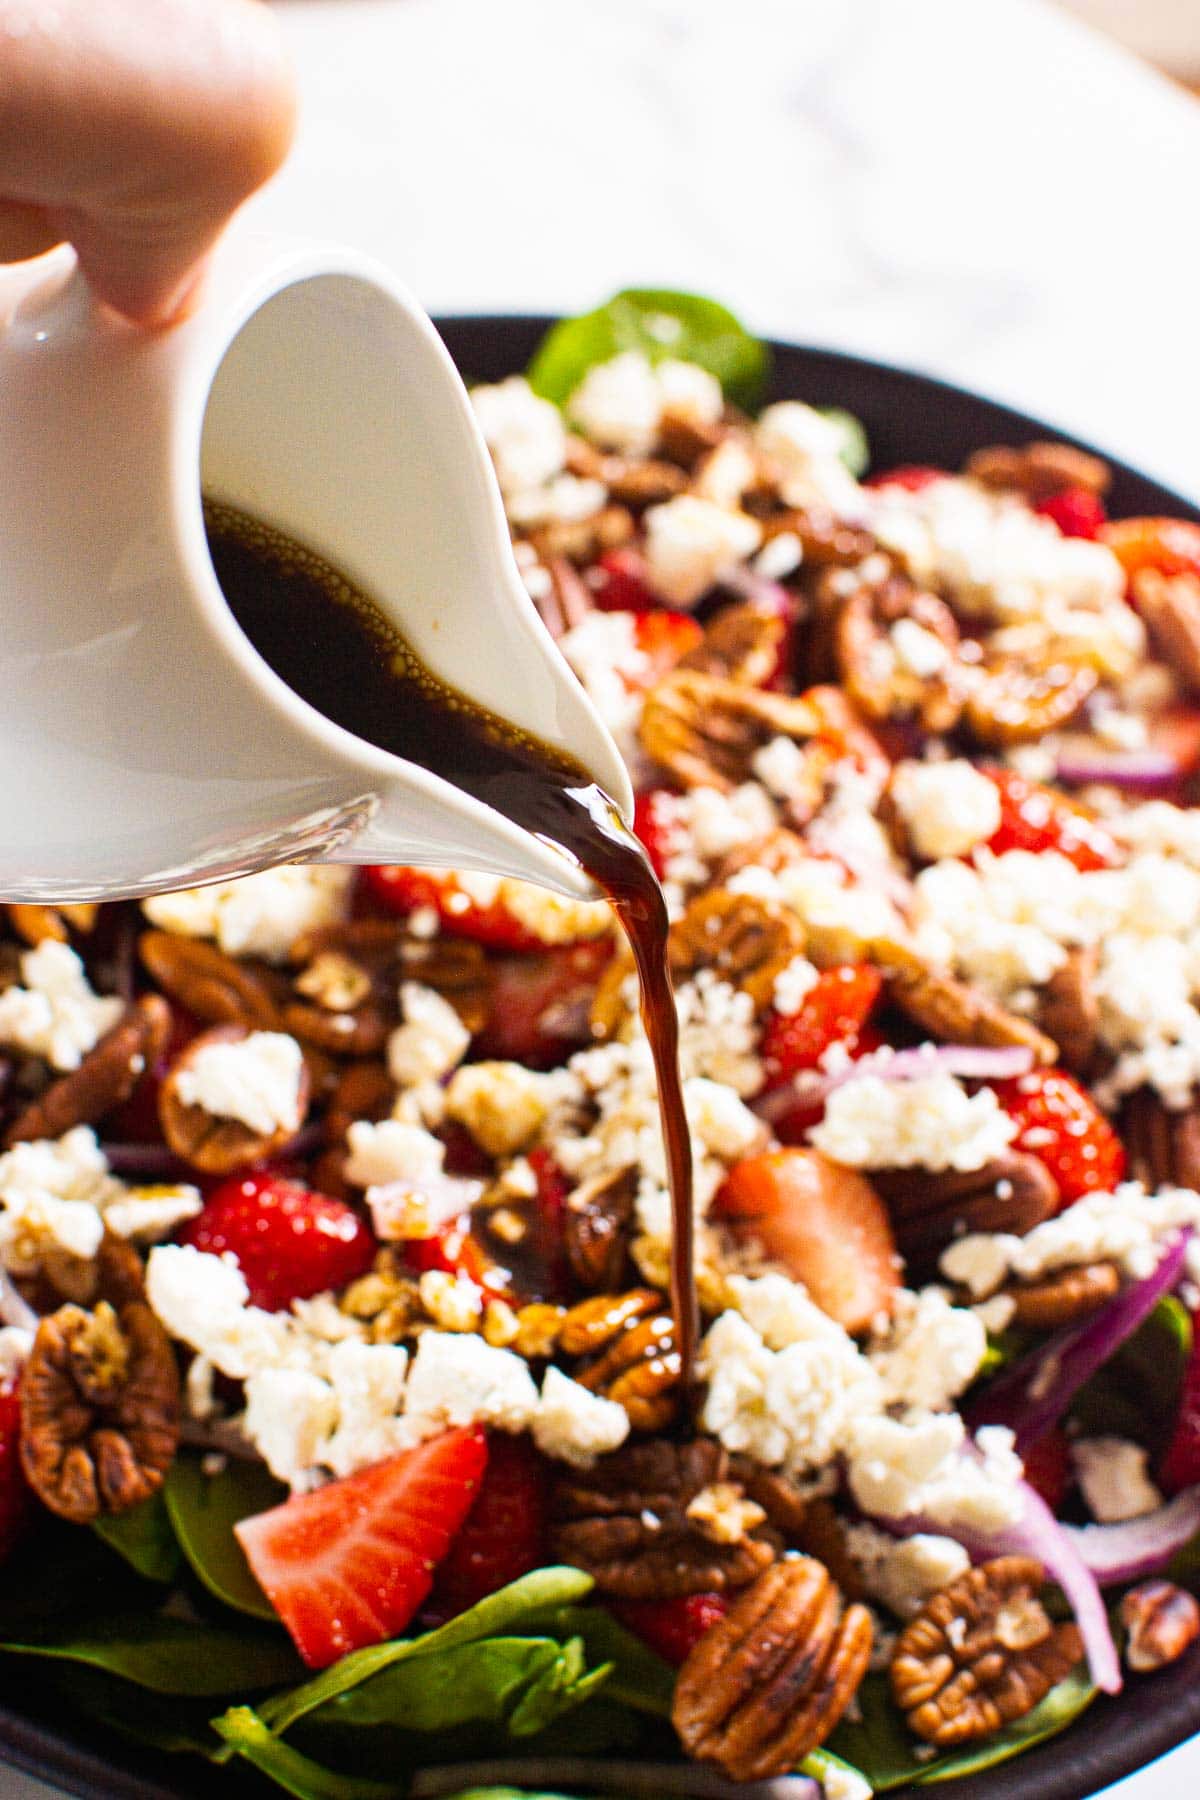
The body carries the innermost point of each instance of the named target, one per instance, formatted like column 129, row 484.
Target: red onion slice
column 1138, row 1547
column 812, row 1086
column 1147, row 771
column 1034, row 1394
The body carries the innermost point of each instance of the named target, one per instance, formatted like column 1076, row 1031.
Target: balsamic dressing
column 334, row 647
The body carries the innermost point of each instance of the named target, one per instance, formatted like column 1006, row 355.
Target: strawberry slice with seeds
column 1037, row 818
column 465, row 907
column 350, row 1564
column 619, row 582
column 1058, row 1122
column 289, row 1241
column 657, row 822
column 1076, row 511
column 673, row 1627
column 504, row 1534
column 539, row 1004
column 16, row 1501
column 833, row 1011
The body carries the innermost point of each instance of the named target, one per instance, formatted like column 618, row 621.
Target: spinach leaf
column 878, row 1745
column 541, row 1588
column 853, row 449
column 203, row 1510
column 823, row 1764
column 1136, row 1393
column 143, row 1536
column 166, row 1655
column 638, row 1677
column 246, row 1735
column 660, row 323
column 159, row 1722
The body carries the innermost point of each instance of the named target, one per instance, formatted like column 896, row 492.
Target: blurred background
column 1165, row 31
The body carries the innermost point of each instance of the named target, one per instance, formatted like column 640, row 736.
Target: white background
column 976, row 187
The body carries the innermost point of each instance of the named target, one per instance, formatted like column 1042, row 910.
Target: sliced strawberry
column 16, row 1500
column 619, row 583
column 452, row 1250
column 824, row 1223
column 661, row 639
column 1169, row 546
column 1048, row 1468
column 657, row 823
column 912, row 477
column 1037, row 818
column 671, row 1627
column 1181, row 1464
column 833, row 1011
column 539, row 1004
column 841, row 729
column 553, row 1186
column 1058, row 1122
column 1076, row 511
column 350, row 1564
column 289, row 1241
column 504, row 1534
column 488, row 921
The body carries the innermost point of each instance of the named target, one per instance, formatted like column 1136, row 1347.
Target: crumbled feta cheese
column 502, row 1104
column 368, row 1386
column 926, row 1468
column 918, row 651
column 690, row 544
column 256, row 1080
column 932, row 1352
column 554, row 918
column 55, row 1013
column 289, row 1415
column 566, row 498
column 204, row 1301
column 805, row 449
column 689, row 392
column 256, row 915
column 15, row 1346
column 723, row 1123
column 792, row 985
column 391, row 1151
column 904, row 1572
column 618, row 404
column 929, row 1123
column 430, row 1042
column 525, row 434
column 573, row 1425
column 459, row 1380
column 781, row 1312
column 1112, row 1473
column 54, row 1194
column 1126, row 1227
column 147, row 1215
column 1171, row 830
column 779, row 557
column 781, row 767
column 947, row 807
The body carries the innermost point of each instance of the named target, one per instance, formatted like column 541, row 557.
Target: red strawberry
column 504, row 1532
column 1076, row 511
column 671, row 1627
column 350, row 1564
column 16, row 1505
column 1181, row 1464
column 289, row 1241
column 1170, row 546
column 539, row 1004
column 833, row 1011
column 404, row 890
column 553, row 1187
column 657, row 823
column 619, row 584
column 1048, row 1468
column 452, row 1250
column 793, row 1125
column 662, row 638
column 1059, row 1122
column 910, row 476
column 1038, row 818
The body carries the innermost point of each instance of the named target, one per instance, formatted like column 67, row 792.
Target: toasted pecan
column 706, row 730
column 1162, row 1143
column 107, row 1075
column 930, row 1208
column 954, row 1012
column 217, row 1145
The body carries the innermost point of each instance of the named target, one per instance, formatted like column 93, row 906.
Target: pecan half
column 929, row 1209
column 981, row 1654
column 767, row 1683
column 107, row 1075
column 37, row 923
column 1170, row 605
column 626, row 1522
column 1019, row 698
column 870, row 662
column 745, row 941
column 596, row 1228
column 216, row 1145
column 826, row 542
column 457, row 969
column 363, row 1032
column 706, row 730
column 1163, row 1146
column 741, row 643
column 1064, row 1298
column 99, row 1410
column 636, row 482
column 583, row 540
column 218, row 989
column 957, row 1013
column 1069, row 1012
column 1038, row 470
column 1162, row 1621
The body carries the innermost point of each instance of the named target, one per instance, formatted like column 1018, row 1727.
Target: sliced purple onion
column 1033, row 1395
column 812, row 1086
column 1147, row 771
column 441, row 1198
column 1138, row 1547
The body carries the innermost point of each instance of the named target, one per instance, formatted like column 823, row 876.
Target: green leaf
column 166, row 1655
column 854, row 449
column 143, row 1536
column 1136, row 1393
column 821, row 1764
column 203, row 1510
column 638, row 1677
column 541, row 1588
column 159, row 1722
column 245, row 1734
column 661, row 324
column 877, row 1744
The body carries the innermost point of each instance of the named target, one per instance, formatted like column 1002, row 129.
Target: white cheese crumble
column 904, row 1573
column 524, row 433
column 804, row 449
column 1113, row 1476
column 931, row 1354
column 1126, row 1227
column 690, row 544
column 256, row 915
column 56, row 1194
column 781, row 767
column 391, row 1151
column 502, row 1104
column 566, row 498
column 929, row 1123
column 574, row 1425
column 55, row 1014
column 256, row 1080
column 947, row 807
column 620, row 404
column 917, row 650
column 926, row 1468
column 430, row 1041
column 792, row 985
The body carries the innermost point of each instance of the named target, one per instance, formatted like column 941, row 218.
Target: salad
column 341, row 1429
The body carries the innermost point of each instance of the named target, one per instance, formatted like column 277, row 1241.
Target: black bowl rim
column 1115, row 1737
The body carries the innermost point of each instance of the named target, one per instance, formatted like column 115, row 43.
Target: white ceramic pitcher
column 144, row 744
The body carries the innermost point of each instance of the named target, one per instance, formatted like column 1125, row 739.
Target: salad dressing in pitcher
column 334, row 647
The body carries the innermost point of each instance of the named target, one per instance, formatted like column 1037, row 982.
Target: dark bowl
column 909, row 419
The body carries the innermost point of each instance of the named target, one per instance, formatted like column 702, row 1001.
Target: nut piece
column 1170, row 605
column 1063, row 1299
column 1038, row 470
column 981, row 1654
column 36, row 924
column 217, row 1145
column 99, row 1410
column 1069, row 1011
column 1162, row 1621
column 929, row 1208
column 767, row 1683
column 107, row 1075
column 1020, row 698
column 870, row 663
column 1163, row 1146
column 742, row 643
column 456, row 969
column 745, row 941
column 596, row 1228
column 213, row 986
column 957, row 1013
column 626, row 1522
column 706, row 730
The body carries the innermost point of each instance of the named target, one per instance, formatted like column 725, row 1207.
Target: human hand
column 133, row 129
